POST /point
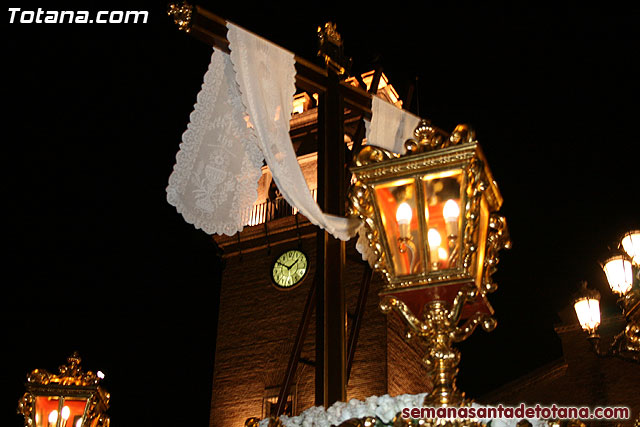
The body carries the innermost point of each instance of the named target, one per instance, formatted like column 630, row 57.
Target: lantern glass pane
column 74, row 413
column 47, row 411
column 397, row 205
column 56, row 411
column 443, row 214
column 619, row 274
column 588, row 312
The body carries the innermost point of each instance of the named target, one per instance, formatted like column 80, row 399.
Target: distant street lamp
column 622, row 274
column 587, row 306
column 432, row 230
column 70, row 399
column 630, row 243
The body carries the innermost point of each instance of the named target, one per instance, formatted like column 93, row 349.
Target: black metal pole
column 331, row 161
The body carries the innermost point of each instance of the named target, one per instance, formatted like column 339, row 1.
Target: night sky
column 97, row 261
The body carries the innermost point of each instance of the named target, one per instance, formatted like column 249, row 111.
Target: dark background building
column 579, row 378
column 98, row 262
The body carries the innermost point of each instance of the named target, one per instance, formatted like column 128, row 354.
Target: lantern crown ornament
column 71, row 398
column 431, row 228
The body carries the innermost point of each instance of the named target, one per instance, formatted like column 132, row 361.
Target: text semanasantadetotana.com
column 517, row 412
column 40, row 16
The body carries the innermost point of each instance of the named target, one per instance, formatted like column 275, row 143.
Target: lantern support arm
column 388, row 303
column 465, row 294
column 463, row 332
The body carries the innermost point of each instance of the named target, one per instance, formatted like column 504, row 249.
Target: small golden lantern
column 432, row 230
column 70, row 399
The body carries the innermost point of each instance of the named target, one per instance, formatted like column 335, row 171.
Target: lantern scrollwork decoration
column 431, row 228
column 72, row 398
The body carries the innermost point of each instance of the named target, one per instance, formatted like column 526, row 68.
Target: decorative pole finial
column 330, row 48
column 181, row 13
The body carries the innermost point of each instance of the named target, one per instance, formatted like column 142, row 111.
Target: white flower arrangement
column 384, row 408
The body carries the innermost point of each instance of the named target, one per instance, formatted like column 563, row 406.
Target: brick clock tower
column 269, row 270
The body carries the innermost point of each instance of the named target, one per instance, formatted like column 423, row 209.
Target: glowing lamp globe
column 587, row 307
column 588, row 312
column 630, row 243
column 619, row 274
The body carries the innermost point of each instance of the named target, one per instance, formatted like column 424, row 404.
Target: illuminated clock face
column 289, row 269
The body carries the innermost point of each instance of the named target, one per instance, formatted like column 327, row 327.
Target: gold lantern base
column 439, row 329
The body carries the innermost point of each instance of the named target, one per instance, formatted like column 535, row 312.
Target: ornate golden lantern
column 432, row 229
column 70, row 399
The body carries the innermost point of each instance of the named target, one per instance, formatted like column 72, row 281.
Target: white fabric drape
column 266, row 76
column 214, row 181
column 390, row 126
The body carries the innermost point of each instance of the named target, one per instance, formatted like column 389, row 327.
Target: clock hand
column 293, row 264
